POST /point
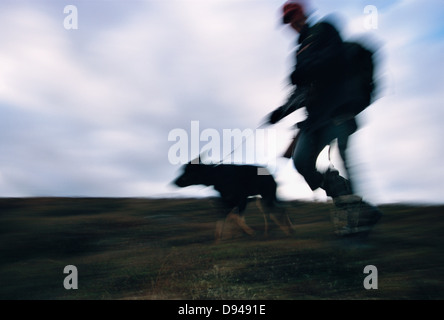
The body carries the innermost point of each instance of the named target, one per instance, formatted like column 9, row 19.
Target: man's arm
column 319, row 56
column 295, row 101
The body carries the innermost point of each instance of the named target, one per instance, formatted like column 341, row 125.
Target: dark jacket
column 320, row 65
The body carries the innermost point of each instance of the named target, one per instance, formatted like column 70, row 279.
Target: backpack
column 359, row 76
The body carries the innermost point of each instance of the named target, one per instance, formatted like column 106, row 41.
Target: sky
column 100, row 100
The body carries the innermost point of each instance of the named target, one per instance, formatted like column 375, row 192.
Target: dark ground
column 164, row 249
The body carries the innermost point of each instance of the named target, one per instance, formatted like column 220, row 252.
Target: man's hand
column 276, row 115
column 295, row 78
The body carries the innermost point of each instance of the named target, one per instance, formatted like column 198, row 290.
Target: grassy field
column 164, row 249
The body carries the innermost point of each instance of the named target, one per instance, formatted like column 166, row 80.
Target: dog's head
column 194, row 173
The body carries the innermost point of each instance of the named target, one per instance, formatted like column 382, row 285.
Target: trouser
column 310, row 144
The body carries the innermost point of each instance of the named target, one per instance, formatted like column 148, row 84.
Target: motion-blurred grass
column 164, row 249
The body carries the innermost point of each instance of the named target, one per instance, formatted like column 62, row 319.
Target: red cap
column 292, row 8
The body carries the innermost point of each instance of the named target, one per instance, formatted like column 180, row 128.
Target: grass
column 164, row 249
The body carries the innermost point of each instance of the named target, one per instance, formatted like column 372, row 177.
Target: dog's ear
column 204, row 158
column 196, row 160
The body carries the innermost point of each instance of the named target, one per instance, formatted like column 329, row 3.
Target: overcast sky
column 88, row 111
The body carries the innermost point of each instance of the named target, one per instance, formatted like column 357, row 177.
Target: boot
column 336, row 185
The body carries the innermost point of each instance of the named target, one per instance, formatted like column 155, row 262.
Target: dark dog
column 236, row 184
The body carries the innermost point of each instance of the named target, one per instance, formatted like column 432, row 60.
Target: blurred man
column 322, row 87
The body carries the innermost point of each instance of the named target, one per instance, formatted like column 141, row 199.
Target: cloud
column 88, row 111
column 74, row 132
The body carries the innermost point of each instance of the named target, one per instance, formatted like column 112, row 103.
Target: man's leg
column 334, row 184
column 344, row 131
column 361, row 216
column 305, row 154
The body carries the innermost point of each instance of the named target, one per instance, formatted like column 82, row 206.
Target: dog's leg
column 221, row 209
column 245, row 227
column 261, row 208
column 220, row 223
column 283, row 221
column 219, row 230
column 240, row 221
